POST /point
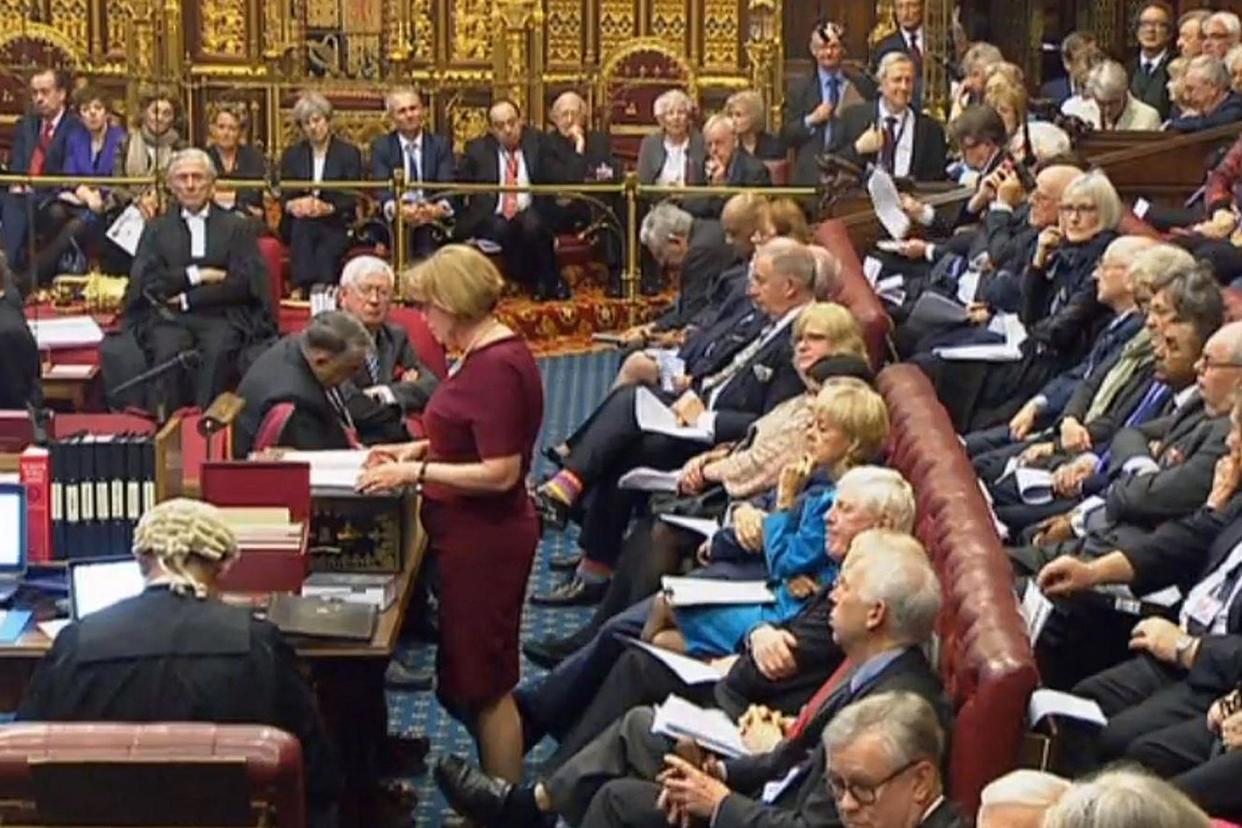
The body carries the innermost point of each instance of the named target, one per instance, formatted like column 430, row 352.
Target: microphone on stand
column 185, row 359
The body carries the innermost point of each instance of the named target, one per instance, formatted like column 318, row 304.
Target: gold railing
column 631, row 191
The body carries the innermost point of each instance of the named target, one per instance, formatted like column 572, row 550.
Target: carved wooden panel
column 618, row 24
column 222, row 30
column 70, row 17
column 669, row 22
column 472, row 31
column 563, row 32
column 721, row 24
column 423, row 34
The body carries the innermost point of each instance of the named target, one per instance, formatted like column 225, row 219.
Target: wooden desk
column 69, row 383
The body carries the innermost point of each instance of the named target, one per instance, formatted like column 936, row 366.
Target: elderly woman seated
column 316, row 222
column 1108, row 104
column 787, row 539
column 236, row 159
column 671, row 155
column 175, row 653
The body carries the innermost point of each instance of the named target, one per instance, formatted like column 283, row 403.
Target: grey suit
column 651, row 157
column 377, row 422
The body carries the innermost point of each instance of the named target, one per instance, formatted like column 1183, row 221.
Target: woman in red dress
column 481, row 424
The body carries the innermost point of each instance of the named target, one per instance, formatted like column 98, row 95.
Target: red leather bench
column 855, row 291
column 984, row 656
column 272, row 759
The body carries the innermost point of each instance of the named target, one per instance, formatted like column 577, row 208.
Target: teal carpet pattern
column 573, row 385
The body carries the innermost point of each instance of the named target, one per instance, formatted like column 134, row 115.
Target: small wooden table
column 69, row 383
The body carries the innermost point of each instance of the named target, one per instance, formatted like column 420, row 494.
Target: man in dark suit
column 697, row 246
column 293, row 391
column 813, row 108
column 726, row 165
column 909, row 40
column 520, row 223
column 1208, row 87
column 198, row 284
column 885, row 604
column 1149, row 73
column 19, row 370
column 40, row 141
column 421, row 155
column 586, row 156
column 890, row 133
column 1073, row 46
column 393, row 382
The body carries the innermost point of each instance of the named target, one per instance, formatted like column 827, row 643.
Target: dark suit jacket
column 1068, row 332
column 596, row 153
column 930, row 151
column 1103, row 355
column 1229, row 111
column 1183, row 552
column 1057, row 90
column 26, row 138
column 1152, row 89
column 481, row 164
column 1104, row 427
column 281, row 374
column 808, row 800
column 651, row 155
column 251, row 166
column 744, row 171
column 810, row 143
column 437, row 163
column 708, row 256
column 768, row 147
column 19, row 370
column 343, row 163
column 377, row 423
column 159, row 273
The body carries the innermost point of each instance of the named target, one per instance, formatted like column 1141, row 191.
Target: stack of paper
column 1045, row 703
column 263, row 527
column 654, row 417
column 65, row 332
column 699, row 592
column 679, row 719
column 690, row 670
column 331, row 471
column 644, row 479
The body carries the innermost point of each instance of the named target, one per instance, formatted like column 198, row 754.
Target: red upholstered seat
column 855, row 292
column 779, row 170
column 277, row 258
column 273, row 759
column 984, row 656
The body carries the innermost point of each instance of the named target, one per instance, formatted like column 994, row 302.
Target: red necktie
column 509, row 207
column 915, row 51
column 38, row 158
column 817, row 701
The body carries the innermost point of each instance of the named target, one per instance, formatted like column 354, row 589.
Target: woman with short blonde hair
column 835, row 325
column 665, row 155
column 746, row 110
column 481, row 423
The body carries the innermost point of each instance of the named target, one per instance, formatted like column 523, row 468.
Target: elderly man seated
column 176, row 653
column 885, row 604
column 393, row 382
column 1221, row 32
column 1124, row 796
column 293, row 391
column 725, row 164
column 1209, row 89
column 1108, row 103
column 1019, row 799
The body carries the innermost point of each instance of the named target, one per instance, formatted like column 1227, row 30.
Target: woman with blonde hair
column 746, row 110
column 235, row 159
column 481, row 424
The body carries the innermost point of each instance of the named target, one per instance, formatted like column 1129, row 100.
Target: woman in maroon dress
column 481, row 423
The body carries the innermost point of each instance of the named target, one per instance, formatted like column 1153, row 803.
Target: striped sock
column 564, row 486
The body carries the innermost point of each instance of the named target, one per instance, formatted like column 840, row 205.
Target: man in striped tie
column 393, row 382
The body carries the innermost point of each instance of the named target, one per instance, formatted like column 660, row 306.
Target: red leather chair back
column 984, row 655
column 273, row 758
column 779, row 171
column 277, row 258
column 424, row 343
column 854, row 291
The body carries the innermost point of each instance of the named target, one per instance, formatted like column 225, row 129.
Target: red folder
column 250, row 483
column 35, row 470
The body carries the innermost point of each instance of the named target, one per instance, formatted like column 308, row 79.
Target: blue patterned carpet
column 572, row 387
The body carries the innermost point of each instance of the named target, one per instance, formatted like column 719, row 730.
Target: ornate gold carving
column 423, row 35
column 69, row 16
column 616, row 24
column 472, row 30
column 223, row 30
column 885, row 22
column 564, row 31
column 466, row 124
column 322, row 14
column 118, row 16
column 668, row 21
column 720, row 33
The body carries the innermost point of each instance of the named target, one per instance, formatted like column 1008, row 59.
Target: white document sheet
column 330, row 470
column 1035, row 610
column 644, row 479
column 872, row 268
column 65, row 332
column 704, row 526
column 1001, row 352
column 887, row 203
column 892, row 288
column 689, row 670
column 678, row 718
column 52, row 627
column 702, row 592
column 1045, row 703
column 1034, row 485
column 126, row 231
column 654, row 417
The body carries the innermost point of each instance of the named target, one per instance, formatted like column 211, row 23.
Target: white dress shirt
column 904, row 129
column 523, row 178
column 196, row 223
column 317, row 163
column 673, row 173
column 413, row 146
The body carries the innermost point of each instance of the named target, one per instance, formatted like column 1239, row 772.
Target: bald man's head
column 506, row 120
column 1046, row 199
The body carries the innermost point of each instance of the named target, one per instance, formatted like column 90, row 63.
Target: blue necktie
column 832, row 91
column 373, row 366
column 1155, row 398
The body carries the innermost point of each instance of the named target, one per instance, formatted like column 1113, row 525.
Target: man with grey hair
column 726, row 165
column 1107, row 103
column 198, row 292
column 884, row 759
column 1221, row 32
column 393, row 382
column 421, row 155
column 1123, row 798
column 293, row 391
column 1209, row 89
column 886, row 601
column 1019, row 799
column 891, row 133
column 696, row 246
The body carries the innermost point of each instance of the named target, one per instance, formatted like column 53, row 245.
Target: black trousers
column 1164, row 217
column 19, row 367
column 527, row 244
column 219, row 346
column 1224, row 256
column 317, row 247
column 49, row 219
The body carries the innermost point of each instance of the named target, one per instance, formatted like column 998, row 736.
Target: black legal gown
column 165, row 657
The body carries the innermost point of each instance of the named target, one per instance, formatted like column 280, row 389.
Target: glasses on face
column 374, row 291
column 1208, row 363
column 1078, row 209
column 864, row 794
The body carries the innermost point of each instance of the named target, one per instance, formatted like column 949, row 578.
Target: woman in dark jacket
column 235, row 160
column 746, row 110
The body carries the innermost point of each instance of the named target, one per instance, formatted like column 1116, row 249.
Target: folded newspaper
column 677, row 718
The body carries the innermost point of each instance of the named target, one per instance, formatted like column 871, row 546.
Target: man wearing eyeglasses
column 1149, row 75
column 884, row 755
column 393, row 382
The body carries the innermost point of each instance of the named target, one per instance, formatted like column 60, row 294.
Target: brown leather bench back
column 855, row 291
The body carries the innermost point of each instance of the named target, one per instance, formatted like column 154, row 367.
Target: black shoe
column 572, row 593
column 553, row 512
column 565, row 561
column 398, row 676
column 472, row 793
column 550, row 651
